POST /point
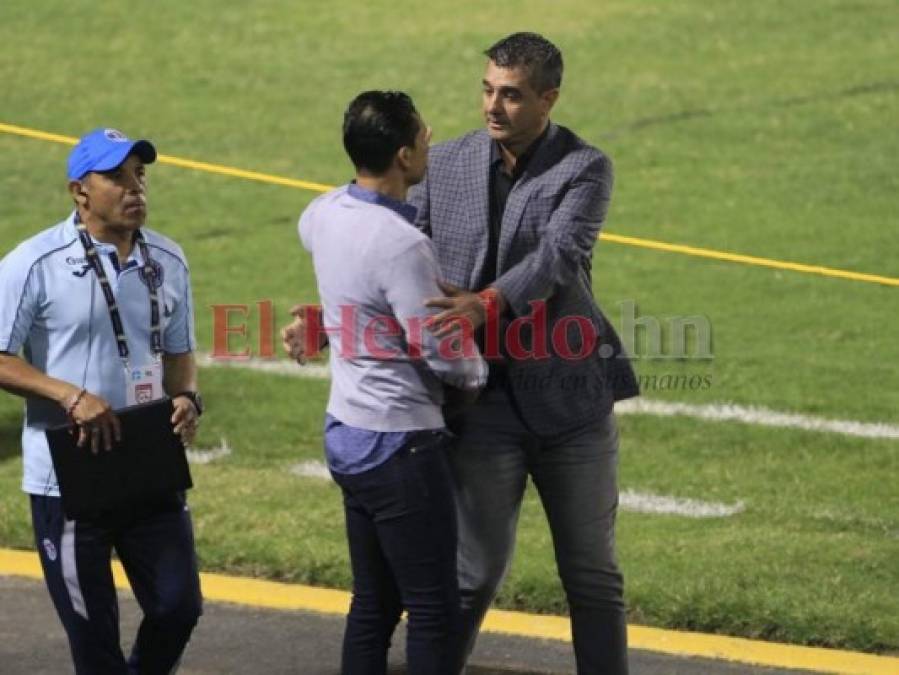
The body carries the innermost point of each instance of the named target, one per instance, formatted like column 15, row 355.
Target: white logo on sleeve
column 50, row 549
column 115, row 135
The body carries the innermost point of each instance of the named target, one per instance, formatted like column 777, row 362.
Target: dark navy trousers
column 155, row 545
column 401, row 526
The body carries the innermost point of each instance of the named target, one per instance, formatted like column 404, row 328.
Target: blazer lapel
column 521, row 193
column 477, row 177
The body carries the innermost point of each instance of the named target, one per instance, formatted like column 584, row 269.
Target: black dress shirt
column 501, row 184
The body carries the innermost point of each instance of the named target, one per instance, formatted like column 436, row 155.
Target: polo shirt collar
column 102, row 247
column 403, row 209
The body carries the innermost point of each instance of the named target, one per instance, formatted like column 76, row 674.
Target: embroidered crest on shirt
column 152, row 274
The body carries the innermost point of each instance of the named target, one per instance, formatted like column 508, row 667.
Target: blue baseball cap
column 105, row 149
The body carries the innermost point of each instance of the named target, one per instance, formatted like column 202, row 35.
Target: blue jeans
column 155, row 544
column 401, row 527
column 576, row 477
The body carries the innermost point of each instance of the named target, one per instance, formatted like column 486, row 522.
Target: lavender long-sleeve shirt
column 374, row 272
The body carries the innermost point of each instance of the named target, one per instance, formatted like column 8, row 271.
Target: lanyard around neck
column 118, row 328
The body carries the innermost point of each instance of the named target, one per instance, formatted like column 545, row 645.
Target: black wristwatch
column 195, row 398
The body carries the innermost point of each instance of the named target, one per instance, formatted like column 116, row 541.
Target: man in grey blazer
column 514, row 211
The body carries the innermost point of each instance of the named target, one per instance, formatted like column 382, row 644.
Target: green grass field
column 765, row 128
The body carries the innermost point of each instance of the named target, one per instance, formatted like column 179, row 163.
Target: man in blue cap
column 95, row 315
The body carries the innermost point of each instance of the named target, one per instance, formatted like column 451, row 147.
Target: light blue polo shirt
column 52, row 313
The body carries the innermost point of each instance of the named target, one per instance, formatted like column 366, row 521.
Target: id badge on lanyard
column 143, row 383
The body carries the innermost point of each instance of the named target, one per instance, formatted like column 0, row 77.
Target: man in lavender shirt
column 385, row 440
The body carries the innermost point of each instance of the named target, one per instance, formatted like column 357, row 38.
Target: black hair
column 534, row 52
column 376, row 125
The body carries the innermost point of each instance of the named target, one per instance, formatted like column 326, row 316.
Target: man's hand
column 185, row 419
column 96, row 421
column 459, row 306
column 293, row 336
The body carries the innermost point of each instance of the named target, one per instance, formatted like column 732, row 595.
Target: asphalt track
column 240, row 640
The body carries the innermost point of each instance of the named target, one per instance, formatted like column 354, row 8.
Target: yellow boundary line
column 605, row 236
column 178, row 161
column 750, row 260
column 275, row 595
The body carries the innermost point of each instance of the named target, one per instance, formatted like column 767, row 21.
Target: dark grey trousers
column 576, row 477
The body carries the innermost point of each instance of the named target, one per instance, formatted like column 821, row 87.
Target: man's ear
column 78, row 192
column 404, row 157
column 549, row 98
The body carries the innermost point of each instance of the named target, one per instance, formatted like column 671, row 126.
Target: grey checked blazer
column 549, row 228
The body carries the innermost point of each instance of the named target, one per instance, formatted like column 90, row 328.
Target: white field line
column 312, row 371
column 311, row 469
column 765, row 417
column 642, row 502
column 629, row 500
column 203, row 456
column 719, row 412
